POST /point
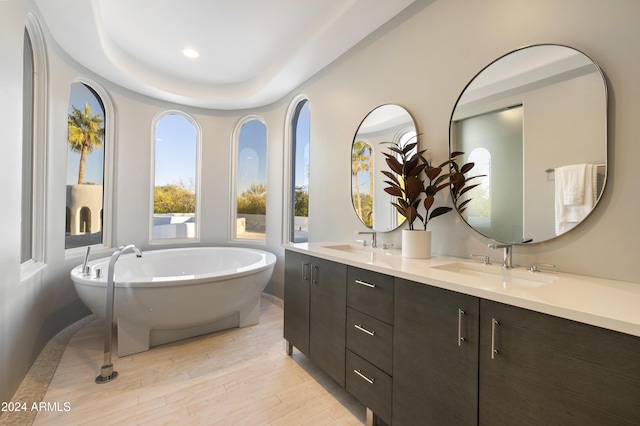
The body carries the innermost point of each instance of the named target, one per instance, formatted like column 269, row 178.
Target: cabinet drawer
column 371, row 293
column 370, row 385
column 370, row 338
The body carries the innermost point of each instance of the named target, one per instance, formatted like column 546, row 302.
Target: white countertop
column 610, row 304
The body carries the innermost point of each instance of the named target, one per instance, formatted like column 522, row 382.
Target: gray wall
column 421, row 60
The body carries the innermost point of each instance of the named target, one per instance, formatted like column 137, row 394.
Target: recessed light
column 190, row 53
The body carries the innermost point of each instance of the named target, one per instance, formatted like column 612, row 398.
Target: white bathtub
column 173, row 294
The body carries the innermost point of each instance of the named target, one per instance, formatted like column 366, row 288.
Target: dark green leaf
column 469, row 188
column 438, row 211
column 463, row 204
column 465, row 168
column 408, row 147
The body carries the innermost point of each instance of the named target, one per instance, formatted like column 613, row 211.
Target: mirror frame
column 380, row 164
column 605, row 136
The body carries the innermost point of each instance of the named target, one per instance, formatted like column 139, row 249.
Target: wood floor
column 234, row 377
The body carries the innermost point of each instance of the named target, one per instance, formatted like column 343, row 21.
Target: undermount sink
column 349, row 248
column 499, row 275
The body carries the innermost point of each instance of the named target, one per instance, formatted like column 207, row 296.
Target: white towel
column 575, row 194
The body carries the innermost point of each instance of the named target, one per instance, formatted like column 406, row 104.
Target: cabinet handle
column 364, row 330
column 494, row 351
column 314, row 280
column 368, row 380
column 460, row 337
column 304, row 277
column 366, row 284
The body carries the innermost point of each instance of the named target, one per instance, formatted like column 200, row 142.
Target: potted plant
column 412, row 177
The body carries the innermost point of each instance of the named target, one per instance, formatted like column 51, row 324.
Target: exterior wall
column 421, row 60
column 84, row 197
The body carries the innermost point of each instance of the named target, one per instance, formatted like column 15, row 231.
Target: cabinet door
column 328, row 317
column 552, row 371
column 296, row 300
column 435, row 372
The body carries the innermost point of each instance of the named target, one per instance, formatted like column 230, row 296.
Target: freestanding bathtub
column 172, row 294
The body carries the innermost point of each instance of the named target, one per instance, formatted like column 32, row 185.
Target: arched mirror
column 535, row 123
column 386, row 123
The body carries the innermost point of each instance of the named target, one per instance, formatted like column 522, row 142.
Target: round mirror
column 386, row 123
column 535, row 123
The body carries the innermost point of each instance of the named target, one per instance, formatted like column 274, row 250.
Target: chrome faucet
column 86, row 270
column 506, row 259
column 374, row 240
column 106, row 371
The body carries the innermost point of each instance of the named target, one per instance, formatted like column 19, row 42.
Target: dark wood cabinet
column 327, row 317
column 537, row 369
column 296, row 300
column 435, row 356
column 417, row 354
column 370, row 340
column 315, row 312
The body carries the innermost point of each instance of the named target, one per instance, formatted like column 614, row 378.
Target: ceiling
column 251, row 52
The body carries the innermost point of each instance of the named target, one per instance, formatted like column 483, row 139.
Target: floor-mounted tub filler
column 173, row 294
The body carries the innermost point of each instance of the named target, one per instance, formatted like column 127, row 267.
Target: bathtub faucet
column 86, row 270
column 106, row 371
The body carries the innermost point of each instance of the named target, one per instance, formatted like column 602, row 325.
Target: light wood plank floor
column 234, row 377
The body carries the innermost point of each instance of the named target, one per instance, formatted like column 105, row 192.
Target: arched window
column 298, row 188
column 176, row 176
column 86, row 148
column 249, row 218
column 33, row 147
column 26, row 252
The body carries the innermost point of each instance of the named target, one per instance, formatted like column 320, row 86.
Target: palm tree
column 360, row 156
column 85, row 132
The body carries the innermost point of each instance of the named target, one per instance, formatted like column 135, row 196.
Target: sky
column 252, row 155
column 302, row 147
column 175, row 151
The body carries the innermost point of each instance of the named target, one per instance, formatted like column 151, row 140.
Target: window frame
column 233, row 202
column 198, row 172
column 289, row 161
column 109, row 168
column 39, row 138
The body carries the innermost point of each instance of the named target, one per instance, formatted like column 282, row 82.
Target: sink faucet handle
column 485, row 259
column 535, row 267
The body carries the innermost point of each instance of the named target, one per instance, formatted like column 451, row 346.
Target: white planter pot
column 416, row 244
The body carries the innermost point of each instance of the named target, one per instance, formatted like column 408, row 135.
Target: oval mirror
column 386, row 123
column 535, row 123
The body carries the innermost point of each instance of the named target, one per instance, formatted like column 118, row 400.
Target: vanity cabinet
column 537, row 369
column 315, row 311
column 413, row 353
column 370, row 340
column 435, row 356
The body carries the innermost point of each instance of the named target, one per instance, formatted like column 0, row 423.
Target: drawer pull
column 460, row 336
column 494, row 351
column 366, row 284
column 364, row 330
column 368, row 380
